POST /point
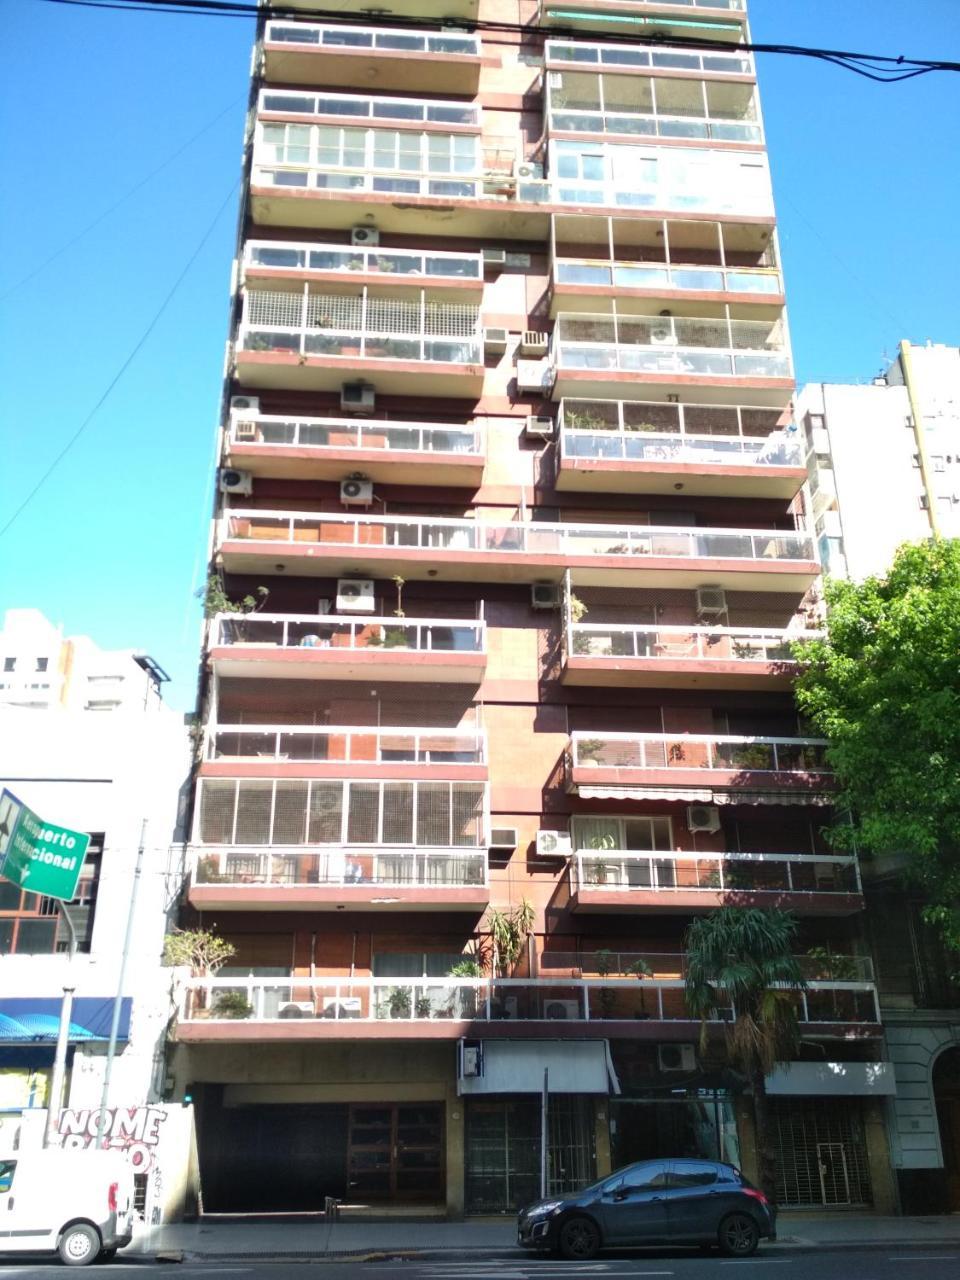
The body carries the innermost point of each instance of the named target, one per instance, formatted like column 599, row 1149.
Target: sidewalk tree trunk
column 742, row 957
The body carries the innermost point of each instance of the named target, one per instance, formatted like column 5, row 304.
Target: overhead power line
column 884, row 68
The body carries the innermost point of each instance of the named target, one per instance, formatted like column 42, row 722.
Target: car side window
column 7, row 1170
column 645, row 1176
column 693, row 1174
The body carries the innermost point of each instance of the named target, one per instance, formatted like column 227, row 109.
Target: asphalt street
column 818, row 1264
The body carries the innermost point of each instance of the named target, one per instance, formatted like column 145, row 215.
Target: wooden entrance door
column 395, row 1151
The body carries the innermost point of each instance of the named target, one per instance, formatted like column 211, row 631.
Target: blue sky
column 91, row 103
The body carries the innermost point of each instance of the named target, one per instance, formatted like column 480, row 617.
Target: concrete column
column 455, row 1131
column 885, row 1199
column 748, row 1138
column 601, row 1136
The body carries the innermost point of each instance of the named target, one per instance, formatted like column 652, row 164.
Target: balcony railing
column 360, row 327
column 381, row 867
column 821, row 967
column 740, row 433
column 616, row 870
column 308, row 743
column 713, row 129
column 685, row 753
column 431, row 534
column 326, row 631
column 315, row 176
column 290, row 256
column 359, row 107
column 407, row 42
column 645, row 275
column 338, row 434
column 611, row 56
column 676, row 643
column 667, row 344
column 422, row 1001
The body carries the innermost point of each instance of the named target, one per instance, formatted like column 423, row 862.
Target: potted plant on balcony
column 825, row 966
column 216, row 601
column 398, row 1002
column 201, row 951
column 508, row 932
column 639, row 969
column 208, row 870
column 231, row 1004
column 604, row 960
column 589, row 750
column 603, row 872
column 463, row 1000
column 423, row 1008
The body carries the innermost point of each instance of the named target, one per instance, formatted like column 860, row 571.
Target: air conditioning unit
column 358, row 397
column 711, row 601
column 246, row 431
column 245, row 405
column 526, row 170
column 471, row 1061
column 355, row 595
column 535, row 376
column 232, row 481
column 356, row 492
column 539, row 428
column 703, row 817
column 534, row 344
column 503, row 838
column 494, row 258
column 677, row 1057
column 545, row 595
column 554, row 844
column 495, row 341
column 296, row 1009
column 561, row 1010
column 368, row 236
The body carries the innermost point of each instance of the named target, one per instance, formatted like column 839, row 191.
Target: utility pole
column 544, row 1132
column 63, row 1037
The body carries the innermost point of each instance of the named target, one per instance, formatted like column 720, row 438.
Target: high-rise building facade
column 508, row 440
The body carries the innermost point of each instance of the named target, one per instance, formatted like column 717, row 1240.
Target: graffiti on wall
column 133, row 1130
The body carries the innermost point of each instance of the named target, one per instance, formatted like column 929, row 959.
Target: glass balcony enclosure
column 349, row 745
column 619, row 870
column 338, row 434
column 678, row 643
column 399, row 41
column 663, row 278
column 382, row 866
column 716, row 62
column 686, row 753
column 270, row 255
column 419, row 635
column 363, row 107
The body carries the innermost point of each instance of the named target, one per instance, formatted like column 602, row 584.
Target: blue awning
column 30, row 1021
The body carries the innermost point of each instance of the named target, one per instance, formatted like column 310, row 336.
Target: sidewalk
column 315, row 1238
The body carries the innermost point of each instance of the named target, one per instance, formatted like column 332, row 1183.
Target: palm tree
column 743, row 956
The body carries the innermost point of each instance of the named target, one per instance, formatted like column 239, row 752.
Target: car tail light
column 112, row 1197
column 756, row 1195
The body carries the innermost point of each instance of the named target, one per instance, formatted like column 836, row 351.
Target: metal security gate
column 821, row 1151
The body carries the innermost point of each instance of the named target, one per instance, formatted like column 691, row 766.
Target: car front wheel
column 579, row 1239
column 738, row 1236
column 79, row 1245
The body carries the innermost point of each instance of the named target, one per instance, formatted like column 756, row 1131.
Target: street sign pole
column 63, row 1037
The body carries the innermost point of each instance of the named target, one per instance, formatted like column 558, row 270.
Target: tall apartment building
column 508, row 438
column 884, row 459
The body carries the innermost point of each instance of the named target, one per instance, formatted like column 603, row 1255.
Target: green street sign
column 36, row 855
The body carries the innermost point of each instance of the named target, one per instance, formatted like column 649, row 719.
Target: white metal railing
column 670, row 643
column 431, row 534
column 382, row 867
column 356, row 999
column 696, row 752
column 288, row 255
column 668, row 344
column 360, row 326
column 364, row 108
column 823, row 966
column 315, row 176
column 728, row 425
column 337, row 434
column 611, row 56
column 336, row 745
column 379, row 41
column 777, row 450
column 683, row 871
column 646, row 275
column 326, row 631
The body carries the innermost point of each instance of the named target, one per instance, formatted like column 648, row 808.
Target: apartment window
column 9, row 664
column 415, row 964
column 42, row 664
column 633, row 834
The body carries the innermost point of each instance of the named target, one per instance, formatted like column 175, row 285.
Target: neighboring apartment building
column 508, row 437
column 40, row 667
column 884, row 459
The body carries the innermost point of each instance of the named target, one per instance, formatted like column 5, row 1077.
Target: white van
column 78, row 1204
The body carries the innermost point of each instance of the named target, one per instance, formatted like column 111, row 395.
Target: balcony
column 328, row 647
column 310, row 751
column 603, row 103
column 456, row 10
column 379, row 879
column 693, row 763
column 563, row 55
column 435, row 453
column 678, row 657
column 616, row 446
column 254, row 541
column 363, row 1008
column 357, row 107
column 707, row 19
column 315, row 342
column 616, row 880
column 588, row 281
column 599, row 354
column 358, row 57
column 409, row 273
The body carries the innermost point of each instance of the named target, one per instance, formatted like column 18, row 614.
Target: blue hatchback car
column 700, row 1202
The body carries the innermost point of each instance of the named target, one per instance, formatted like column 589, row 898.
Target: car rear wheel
column 738, row 1235
column 579, row 1239
column 79, row 1245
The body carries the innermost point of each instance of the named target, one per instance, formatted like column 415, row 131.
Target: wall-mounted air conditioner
column 358, row 397
column 534, row 344
column 495, row 341
column 545, row 595
column 554, row 844
column 539, row 427
column 494, row 258
column 561, row 1010
column 233, row 481
column 677, row 1057
column 245, row 405
column 356, row 492
column 703, row 817
column 711, row 601
column 355, row 595
column 368, row 236
column 503, row 838
column 535, row 376
column 525, row 170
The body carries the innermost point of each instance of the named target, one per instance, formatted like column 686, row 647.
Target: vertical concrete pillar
column 746, row 1132
column 601, row 1138
column 882, row 1181
column 455, row 1131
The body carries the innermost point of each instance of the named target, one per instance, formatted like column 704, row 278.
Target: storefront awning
column 517, row 1066
column 705, row 795
column 29, row 1021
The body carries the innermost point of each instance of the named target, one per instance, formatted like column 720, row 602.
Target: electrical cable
column 126, row 364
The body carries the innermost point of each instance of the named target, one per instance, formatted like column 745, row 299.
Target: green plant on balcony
column 201, row 950
column 423, row 1007
column 604, row 961
column 509, row 931
column 386, row 264
column 576, row 607
column 215, row 599
column 589, row 750
column 399, row 583
column 208, row 870
column 398, row 1002
column 395, row 638
column 355, row 264
column 257, row 342
column 825, row 966
column 231, row 1004
column 710, row 879
column 601, row 872
column 639, row 969
column 584, row 420
column 581, row 645
column 756, row 756
column 465, row 969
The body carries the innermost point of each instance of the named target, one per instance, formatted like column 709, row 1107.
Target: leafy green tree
column 743, row 956
column 884, row 687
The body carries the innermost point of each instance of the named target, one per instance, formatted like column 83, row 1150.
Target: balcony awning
column 517, row 1066
column 704, row 795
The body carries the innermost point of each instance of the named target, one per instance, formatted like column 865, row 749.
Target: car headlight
column 541, row 1210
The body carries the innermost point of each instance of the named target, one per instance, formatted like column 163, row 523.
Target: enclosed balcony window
column 304, row 33
column 366, row 108
column 612, row 55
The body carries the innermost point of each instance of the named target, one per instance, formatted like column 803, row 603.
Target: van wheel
column 79, row 1245
column 738, row 1236
column 579, row 1239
